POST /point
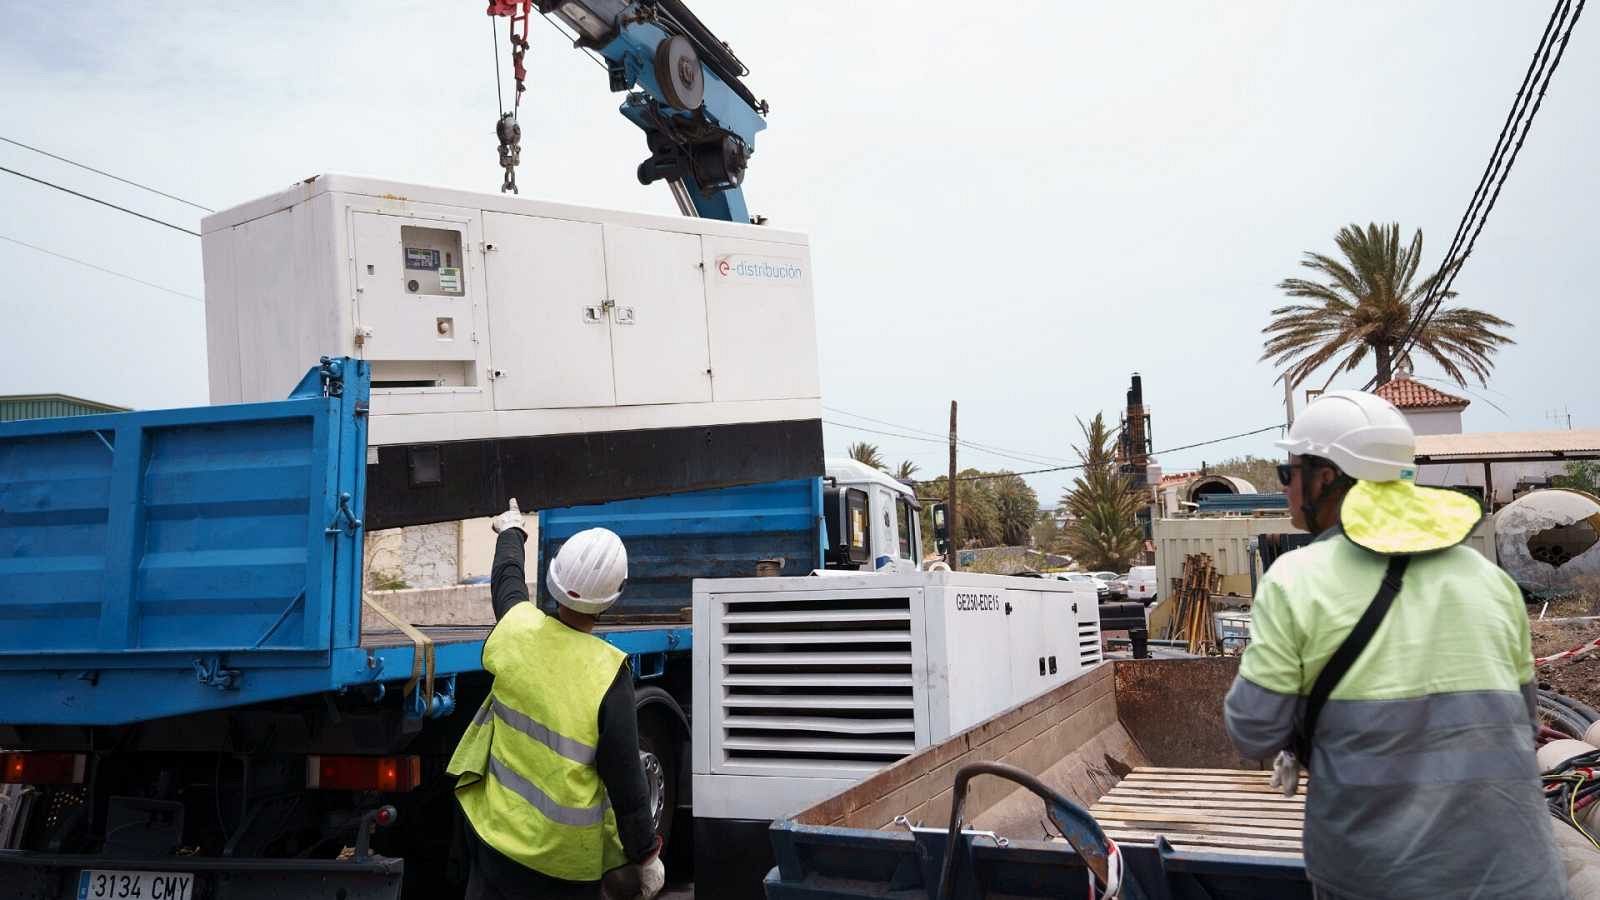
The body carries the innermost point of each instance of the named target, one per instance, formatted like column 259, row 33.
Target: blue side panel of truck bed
column 205, row 547
column 677, row 538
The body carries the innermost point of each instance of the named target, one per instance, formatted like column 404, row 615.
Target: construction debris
column 1192, row 618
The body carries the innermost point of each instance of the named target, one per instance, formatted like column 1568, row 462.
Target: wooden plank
column 1288, row 854
column 1214, row 778
column 1206, row 796
column 1207, row 793
column 1167, row 795
column 1292, row 834
column 1194, row 821
column 1203, row 786
column 1166, row 814
column 1199, row 842
column 1171, row 770
column 1223, row 803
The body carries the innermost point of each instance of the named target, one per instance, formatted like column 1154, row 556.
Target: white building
column 1499, row 463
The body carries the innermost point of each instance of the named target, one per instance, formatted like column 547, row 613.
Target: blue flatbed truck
column 189, row 707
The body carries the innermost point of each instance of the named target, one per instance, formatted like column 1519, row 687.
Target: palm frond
column 1364, row 305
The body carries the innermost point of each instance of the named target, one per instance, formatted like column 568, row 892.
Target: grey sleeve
column 1260, row 722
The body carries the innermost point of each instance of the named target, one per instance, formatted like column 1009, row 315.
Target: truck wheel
column 658, row 755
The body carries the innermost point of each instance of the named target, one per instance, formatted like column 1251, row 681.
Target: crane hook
column 510, row 135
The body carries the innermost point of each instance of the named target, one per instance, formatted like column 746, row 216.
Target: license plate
column 116, row 884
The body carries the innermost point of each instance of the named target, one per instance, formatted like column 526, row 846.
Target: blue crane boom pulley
column 683, row 90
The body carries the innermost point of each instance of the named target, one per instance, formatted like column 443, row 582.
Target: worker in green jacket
column 1423, row 781
column 550, row 783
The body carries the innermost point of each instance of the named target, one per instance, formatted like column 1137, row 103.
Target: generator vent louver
column 827, row 684
column 1089, row 643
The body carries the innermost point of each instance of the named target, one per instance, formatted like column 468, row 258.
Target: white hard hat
column 588, row 573
column 1361, row 433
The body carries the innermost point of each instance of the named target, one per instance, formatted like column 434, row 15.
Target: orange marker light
column 363, row 773
column 42, row 768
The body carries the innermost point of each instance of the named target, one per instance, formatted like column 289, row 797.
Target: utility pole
column 952, row 518
column 1288, row 401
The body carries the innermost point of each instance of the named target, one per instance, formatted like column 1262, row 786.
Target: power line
column 91, row 265
column 80, row 165
column 909, row 437
column 1219, row 440
column 1471, row 220
column 101, row 202
column 1020, row 455
column 928, row 440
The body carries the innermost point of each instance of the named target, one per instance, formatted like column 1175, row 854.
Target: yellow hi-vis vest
column 527, row 782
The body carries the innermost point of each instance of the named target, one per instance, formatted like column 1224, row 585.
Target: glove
column 511, row 518
column 638, row 881
column 1285, row 774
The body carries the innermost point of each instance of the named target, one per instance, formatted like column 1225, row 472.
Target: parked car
column 1142, row 584
column 1101, row 587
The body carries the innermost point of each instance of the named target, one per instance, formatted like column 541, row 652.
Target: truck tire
column 660, row 736
column 660, row 774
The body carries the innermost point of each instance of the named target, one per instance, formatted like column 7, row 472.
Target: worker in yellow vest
column 550, row 784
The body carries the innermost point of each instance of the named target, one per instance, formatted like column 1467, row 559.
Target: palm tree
column 866, row 453
column 907, row 471
column 1105, row 532
column 1015, row 506
column 1366, row 306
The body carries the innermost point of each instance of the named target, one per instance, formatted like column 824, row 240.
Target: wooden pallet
column 1221, row 810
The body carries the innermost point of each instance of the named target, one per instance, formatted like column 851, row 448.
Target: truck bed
column 1201, row 809
column 1138, row 742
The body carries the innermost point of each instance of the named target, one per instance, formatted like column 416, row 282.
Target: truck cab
column 872, row 520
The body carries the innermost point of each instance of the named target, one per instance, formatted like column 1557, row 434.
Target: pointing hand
column 511, row 518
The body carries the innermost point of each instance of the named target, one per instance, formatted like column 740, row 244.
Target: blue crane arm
column 684, row 92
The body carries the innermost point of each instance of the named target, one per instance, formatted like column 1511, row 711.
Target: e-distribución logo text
column 760, row 269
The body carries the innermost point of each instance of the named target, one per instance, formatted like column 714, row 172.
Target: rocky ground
column 1580, row 678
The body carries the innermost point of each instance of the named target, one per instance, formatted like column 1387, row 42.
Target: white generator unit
column 805, row 685
column 601, row 344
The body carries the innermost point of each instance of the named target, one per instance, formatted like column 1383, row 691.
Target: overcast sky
column 1012, row 205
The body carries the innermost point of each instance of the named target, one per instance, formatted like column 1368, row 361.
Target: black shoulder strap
column 1349, row 651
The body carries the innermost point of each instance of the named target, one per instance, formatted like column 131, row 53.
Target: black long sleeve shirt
column 616, row 756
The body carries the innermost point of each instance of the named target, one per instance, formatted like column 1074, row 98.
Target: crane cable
column 1472, row 221
column 506, row 128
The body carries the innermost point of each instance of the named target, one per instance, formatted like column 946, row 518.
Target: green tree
column 864, row 452
column 1015, row 507
column 907, row 471
column 1105, row 533
column 1263, row 473
column 996, row 508
column 1046, row 534
column 1366, row 304
column 980, row 523
column 1582, row 475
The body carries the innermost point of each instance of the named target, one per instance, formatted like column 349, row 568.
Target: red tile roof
column 1407, row 394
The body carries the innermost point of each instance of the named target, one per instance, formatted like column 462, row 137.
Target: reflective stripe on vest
column 526, row 763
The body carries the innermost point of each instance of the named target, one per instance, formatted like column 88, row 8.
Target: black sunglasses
column 1285, row 471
